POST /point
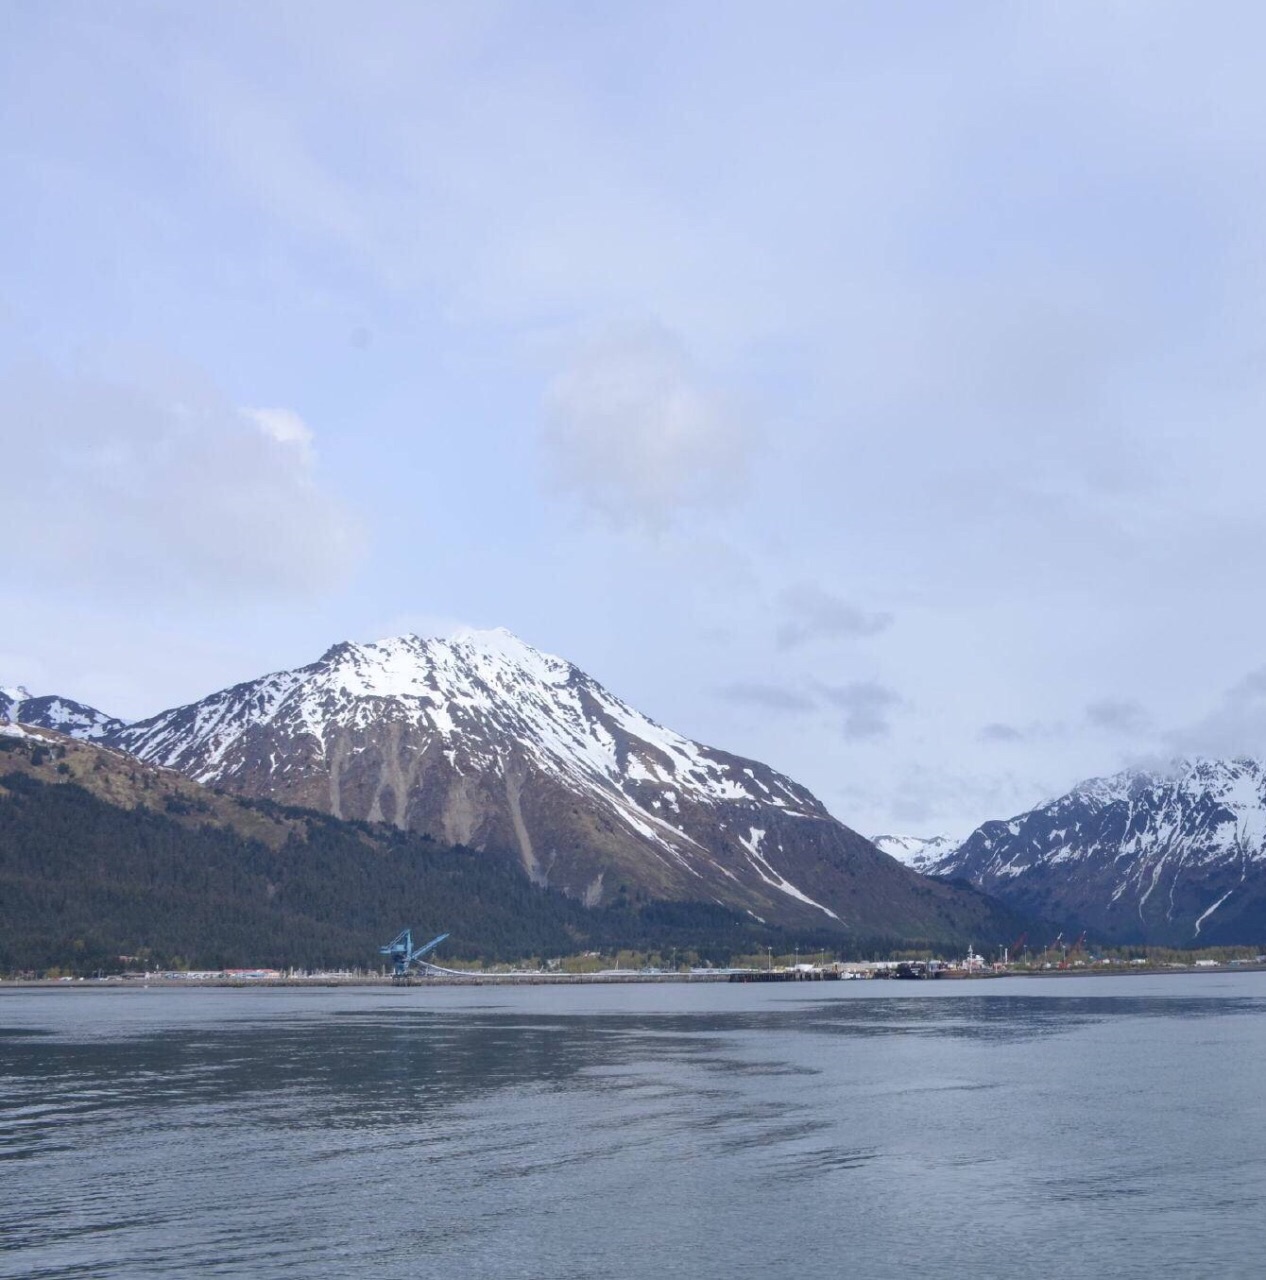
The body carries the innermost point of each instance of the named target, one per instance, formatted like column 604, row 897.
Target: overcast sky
column 873, row 389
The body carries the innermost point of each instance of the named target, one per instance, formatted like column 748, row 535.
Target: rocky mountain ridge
column 1173, row 857
column 63, row 715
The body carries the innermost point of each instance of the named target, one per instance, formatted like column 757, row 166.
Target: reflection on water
column 1106, row 1126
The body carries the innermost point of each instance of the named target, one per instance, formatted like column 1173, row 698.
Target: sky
column 875, row 390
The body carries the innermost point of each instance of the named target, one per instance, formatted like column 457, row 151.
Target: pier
column 804, row 974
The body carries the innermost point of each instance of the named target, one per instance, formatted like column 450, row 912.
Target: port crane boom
column 403, row 954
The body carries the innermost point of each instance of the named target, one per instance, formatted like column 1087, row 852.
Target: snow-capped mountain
column 481, row 740
column 65, row 715
column 1173, row 857
column 921, row 853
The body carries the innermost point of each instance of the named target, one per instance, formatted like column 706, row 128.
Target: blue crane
column 403, row 956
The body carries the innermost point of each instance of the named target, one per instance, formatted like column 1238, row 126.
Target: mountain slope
column 64, row 715
column 483, row 741
column 102, row 856
column 1173, row 858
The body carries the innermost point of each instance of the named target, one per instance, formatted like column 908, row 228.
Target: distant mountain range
column 484, row 742
column 1175, row 857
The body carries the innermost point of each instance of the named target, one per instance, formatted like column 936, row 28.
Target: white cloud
column 163, row 490
column 283, row 425
column 634, row 432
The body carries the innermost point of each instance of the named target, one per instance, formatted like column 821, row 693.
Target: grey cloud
column 866, row 706
column 1252, row 686
column 812, row 612
column 164, row 487
column 911, row 809
column 1032, row 731
column 932, row 800
column 771, row 697
column 633, row 430
column 998, row 732
column 1236, row 725
column 1117, row 715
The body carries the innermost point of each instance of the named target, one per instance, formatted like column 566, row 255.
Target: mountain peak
column 472, row 667
column 484, row 741
column 12, row 697
column 1180, row 773
column 64, row 715
column 1167, row 854
column 493, row 639
column 499, row 644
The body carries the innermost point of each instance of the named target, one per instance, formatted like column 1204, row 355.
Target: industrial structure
column 404, row 958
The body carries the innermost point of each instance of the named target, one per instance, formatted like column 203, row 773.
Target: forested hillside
column 102, row 857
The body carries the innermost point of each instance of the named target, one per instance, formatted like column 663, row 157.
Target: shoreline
column 333, row 981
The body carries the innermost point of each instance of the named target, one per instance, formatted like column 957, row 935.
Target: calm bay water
column 1077, row 1127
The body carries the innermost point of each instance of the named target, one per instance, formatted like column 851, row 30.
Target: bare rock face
column 483, row 741
column 1174, row 857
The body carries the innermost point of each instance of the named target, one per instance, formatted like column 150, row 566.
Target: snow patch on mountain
column 449, row 688
column 921, row 853
column 11, row 729
column 752, row 843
